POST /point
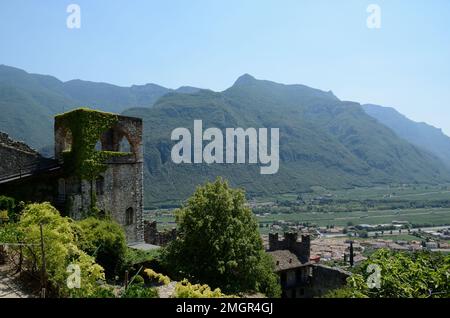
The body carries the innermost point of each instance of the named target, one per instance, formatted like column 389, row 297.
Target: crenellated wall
column 290, row 242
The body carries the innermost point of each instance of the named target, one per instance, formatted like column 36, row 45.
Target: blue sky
column 323, row 44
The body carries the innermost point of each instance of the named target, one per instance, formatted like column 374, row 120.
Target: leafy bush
column 140, row 291
column 9, row 233
column 103, row 292
column 219, row 244
column 138, row 280
column 159, row 278
column 4, row 216
column 104, row 240
column 9, row 205
column 139, row 257
column 184, row 289
column 60, row 250
column 403, row 275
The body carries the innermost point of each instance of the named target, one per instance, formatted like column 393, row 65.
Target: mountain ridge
column 323, row 140
column 421, row 134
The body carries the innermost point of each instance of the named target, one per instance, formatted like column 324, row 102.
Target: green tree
column 218, row 243
column 105, row 240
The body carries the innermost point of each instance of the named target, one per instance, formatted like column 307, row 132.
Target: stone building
column 301, row 277
column 160, row 238
column 98, row 167
column 290, row 242
column 17, row 156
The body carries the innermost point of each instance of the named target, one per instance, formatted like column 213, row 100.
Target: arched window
column 66, row 139
column 129, row 216
column 100, row 185
column 124, row 145
column 98, row 146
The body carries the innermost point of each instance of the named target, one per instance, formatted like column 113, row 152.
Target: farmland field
column 341, row 211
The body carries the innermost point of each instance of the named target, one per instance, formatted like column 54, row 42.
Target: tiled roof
column 285, row 260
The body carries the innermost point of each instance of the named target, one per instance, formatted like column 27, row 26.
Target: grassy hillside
column 323, row 141
column 419, row 134
column 28, row 102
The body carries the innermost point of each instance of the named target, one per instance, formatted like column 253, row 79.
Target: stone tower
column 102, row 159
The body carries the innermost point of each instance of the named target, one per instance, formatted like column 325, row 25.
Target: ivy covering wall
column 83, row 160
column 87, row 127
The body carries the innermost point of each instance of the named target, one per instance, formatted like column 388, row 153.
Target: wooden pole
column 43, row 269
column 126, row 280
column 351, row 254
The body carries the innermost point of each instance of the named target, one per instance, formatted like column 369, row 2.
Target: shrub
column 138, row 257
column 104, row 240
column 4, row 218
column 403, row 275
column 60, row 250
column 159, row 278
column 103, row 292
column 9, row 205
column 140, row 291
column 185, row 289
column 138, row 280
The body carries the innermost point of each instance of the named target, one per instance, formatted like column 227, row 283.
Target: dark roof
column 284, row 260
column 43, row 165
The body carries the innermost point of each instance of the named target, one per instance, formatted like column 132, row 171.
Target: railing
column 30, row 169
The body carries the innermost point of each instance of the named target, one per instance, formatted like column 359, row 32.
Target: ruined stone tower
column 102, row 159
column 290, row 242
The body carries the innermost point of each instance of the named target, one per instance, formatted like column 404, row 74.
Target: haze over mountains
column 420, row 134
column 323, row 140
column 29, row 101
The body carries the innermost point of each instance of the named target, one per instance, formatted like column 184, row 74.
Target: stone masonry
column 118, row 190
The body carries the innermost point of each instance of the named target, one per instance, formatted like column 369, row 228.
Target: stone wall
column 324, row 279
column 119, row 190
column 154, row 237
column 290, row 242
column 311, row 280
column 15, row 155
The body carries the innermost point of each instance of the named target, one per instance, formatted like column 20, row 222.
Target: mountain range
column 323, row 140
column 418, row 133
column 29, row 101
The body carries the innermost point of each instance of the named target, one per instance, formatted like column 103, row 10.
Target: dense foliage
column 139, row 290
column 185, row 289
column 157, row 277
column 403, row 275
column 86, row 127
column 7, row 209
column 7, row 203
column 218, row 243
column 104, row 240
column 61, row 250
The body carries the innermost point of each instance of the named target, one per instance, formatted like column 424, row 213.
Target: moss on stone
column 87, row 127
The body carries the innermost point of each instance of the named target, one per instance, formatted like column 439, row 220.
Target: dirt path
column 8, row 286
